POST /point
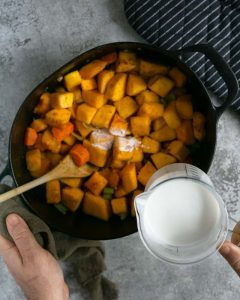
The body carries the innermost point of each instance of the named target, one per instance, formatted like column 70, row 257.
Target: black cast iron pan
column 78, row 224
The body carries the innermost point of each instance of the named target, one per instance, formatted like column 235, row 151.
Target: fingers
column 9, row 253
column 232, row 254
column 22, row 236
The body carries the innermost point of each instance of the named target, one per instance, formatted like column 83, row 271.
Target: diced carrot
column 30, row 137
column 110, row 58
column 61, row 133
column 79, row 154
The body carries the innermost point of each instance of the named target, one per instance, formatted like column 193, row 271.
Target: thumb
column 232, row 254
column 22, row 237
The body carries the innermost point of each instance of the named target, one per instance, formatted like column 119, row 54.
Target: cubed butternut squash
column 88, row 84
column 72, row 182
column 147, row 97
column 83, row 129
column 72, row 198
column 71, row 80
column 129, row 177
column 140, row 126
column 137, row 155
column 50, row 143
column 162, row 159
column 53, row 192
column 92, row 69
column 171, row 116
column 148, row 69
column 69, row 140
column 96, row 183
column 135, row 85
column 161, row 85
column 38, row 125
column 77, row 95
column 57, row 117
column 43, row 105
column 185, row 132
column 150, row 145
column 94, row 98
column 103, row 116
column 123, row 148
column 178, row 150
column 102, row 138
column 33, row 160
column 114, row 179
column 54, row 158
column 103, row 79
column 119, row 206
column 198, row 126
column 120, row 192
column 164, row 134
column 146, row 172
column 85, row 113
column 98, row 156
column 45, row 167
column 178, row 77
column 127, row 61
column 126, row 107
column 158, row 124
column 96, row 206
column 184, row 107
column 110, row 57
column 117, row 164
column 152, row 110
column 30, row 137
column 62, row 100
column 118, row 126
column 116, row 87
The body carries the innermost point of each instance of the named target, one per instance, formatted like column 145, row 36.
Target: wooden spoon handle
column 28, row 186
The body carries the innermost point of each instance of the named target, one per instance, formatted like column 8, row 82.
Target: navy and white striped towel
column 173, row 24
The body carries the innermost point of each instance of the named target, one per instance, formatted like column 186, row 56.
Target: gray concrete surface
column 36, row 37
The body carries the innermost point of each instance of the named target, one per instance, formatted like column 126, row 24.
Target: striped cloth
column 173, row 24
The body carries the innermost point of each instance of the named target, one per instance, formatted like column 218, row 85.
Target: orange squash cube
column 161, row 85
column 53, row 192
column 96, row 183
column 119, row 206
column 93, row 98
column 72, row 198
column 126, row 107
column 146, row 172
column 96, row 206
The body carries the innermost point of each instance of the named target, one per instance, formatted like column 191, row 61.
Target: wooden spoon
column 66, row 168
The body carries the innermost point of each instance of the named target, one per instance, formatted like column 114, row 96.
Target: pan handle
column 224, row 71
column 6, row 171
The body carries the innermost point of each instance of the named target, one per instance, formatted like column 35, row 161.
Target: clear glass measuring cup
column 180, row 253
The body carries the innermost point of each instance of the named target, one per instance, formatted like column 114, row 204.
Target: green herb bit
column 107, row 196
column 108, row 190
column 168, row 99
column 61, row 208
column 123, row 216
column 77, row 136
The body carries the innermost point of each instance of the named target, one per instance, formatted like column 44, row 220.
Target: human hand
column 232, row 254
column 34, row 269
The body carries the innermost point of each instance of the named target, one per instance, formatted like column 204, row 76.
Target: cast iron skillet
column 78, row 224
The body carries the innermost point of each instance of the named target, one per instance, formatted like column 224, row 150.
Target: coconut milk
column 181, row 212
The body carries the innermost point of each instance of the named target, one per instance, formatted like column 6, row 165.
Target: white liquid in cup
column 181, row 212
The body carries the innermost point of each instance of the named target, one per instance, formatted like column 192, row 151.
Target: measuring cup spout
column 140, row 201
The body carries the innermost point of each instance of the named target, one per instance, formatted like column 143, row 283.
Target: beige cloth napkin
column 86, row 257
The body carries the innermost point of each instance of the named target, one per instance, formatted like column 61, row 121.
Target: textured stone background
column 37, row 37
